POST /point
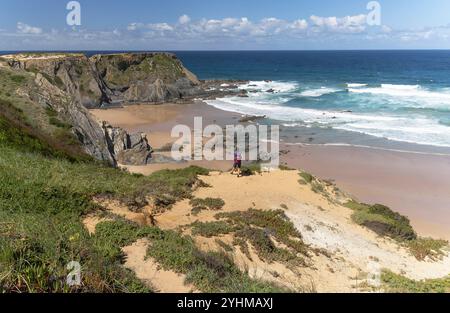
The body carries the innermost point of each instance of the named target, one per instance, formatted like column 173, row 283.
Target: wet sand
column 416, row 185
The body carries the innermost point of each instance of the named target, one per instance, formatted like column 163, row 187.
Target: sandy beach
column 416, row 185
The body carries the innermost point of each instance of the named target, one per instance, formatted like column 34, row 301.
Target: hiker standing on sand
column 237, row 163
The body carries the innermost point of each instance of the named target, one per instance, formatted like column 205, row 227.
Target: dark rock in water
column 243, row 94
column 268, row 81
column 270, row 90
column 249, row 118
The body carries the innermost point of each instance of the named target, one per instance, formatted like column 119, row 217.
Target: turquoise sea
column 393, row 99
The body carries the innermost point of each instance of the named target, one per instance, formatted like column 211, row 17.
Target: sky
column 224, row 25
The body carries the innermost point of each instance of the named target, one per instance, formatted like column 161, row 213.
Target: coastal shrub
column 395, row 283
column 208, row 203
column 385, row 222
column 251, row 169
column 123, row 66
column 285, row 168
column 355, row 205
column 422, row 248
column 211, row 229
column 260, row 229
column 226, row 247
column 317, row 187
column 306, row 177
column 208, row 271
column 177, row 183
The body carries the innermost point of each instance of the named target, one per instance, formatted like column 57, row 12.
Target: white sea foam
column 264, row 86
column 355, row 85
column 410, row 91
column 318, row 92
column 395, row 126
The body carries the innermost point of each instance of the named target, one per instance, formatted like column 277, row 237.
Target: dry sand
column 415, row 185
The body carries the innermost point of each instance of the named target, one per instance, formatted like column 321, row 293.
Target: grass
column 42, row 200
column 27, row 125
column 395, row 283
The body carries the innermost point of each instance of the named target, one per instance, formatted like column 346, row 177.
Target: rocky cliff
column 70, row 83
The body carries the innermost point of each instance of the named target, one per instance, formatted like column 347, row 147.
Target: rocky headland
column 70, row 84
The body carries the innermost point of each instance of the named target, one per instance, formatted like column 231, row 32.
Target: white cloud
column 27, row 29
column 299, row 25
column 347, row 24
column 230, row 33
column 184, row 19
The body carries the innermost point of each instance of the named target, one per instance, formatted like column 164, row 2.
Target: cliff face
column 115, row 78
column 70, row 83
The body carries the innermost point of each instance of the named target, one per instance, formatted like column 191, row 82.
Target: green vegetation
column 385, row 222
column 205, row 204
column 251, row 169
column 54, row 120
column 211, row 229
column 226, row 247
column 28, row 126
column 18, row 132
column 354, row 205
column 18, row 79
column 264, row 230
column 427, row 247
column 286, row 168
column 45, row 190
column 208, row 271
column 308, row 178
column 317, row 187
column 121, row 70
column 397, row 283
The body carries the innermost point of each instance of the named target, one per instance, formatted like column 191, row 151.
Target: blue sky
column 222, row 25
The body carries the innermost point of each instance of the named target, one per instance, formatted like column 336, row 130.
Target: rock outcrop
column 128, row 149
column 70, row 84
column 114, row 78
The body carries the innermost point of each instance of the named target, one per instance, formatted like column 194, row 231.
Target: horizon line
column 217, row 50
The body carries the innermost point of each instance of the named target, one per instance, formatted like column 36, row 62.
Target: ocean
column 387, row 99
